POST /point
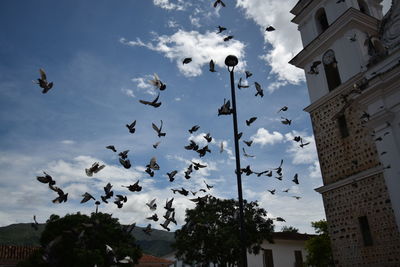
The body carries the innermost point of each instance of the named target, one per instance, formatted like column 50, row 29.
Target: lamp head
column 231, row 61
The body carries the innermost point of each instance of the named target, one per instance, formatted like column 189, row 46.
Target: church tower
column 351, row 59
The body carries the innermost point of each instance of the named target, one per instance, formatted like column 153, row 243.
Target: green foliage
column 211, row 233
column 289, row 229
column 80, row 240
column 319, row 247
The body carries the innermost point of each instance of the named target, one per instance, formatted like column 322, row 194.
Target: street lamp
column 231, row 61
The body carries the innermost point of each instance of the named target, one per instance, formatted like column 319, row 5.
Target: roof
column 8, row 252
column 146, row 259
column 291, row 236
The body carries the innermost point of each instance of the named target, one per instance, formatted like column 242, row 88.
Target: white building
column 288, row 250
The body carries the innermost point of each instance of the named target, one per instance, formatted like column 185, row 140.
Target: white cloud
column 285, row 41
column 305, row 155
column 172, row 24
column 195, row 21
column 315, row 170
column 264, row 137
column 68, row 142
column 128, row 92
column 143, row 83
column 170, row 5
column 198, row 46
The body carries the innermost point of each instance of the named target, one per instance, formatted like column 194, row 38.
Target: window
column 365, row 231
column 321, row 20
column 331, row 70
column 363, row 6
column 268, row 260
column 344, row 131
column 299, row 258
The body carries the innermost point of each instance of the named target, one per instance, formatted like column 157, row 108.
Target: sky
column 101, row 55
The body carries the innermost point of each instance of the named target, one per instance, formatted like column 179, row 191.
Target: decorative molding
column 351, row 179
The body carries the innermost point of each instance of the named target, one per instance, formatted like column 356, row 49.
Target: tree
column 211, row 232
column 319, row 247
column 289, row 229
column 80, row 240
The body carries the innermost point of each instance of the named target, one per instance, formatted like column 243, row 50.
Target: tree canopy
column 211, row 231
column 319, row 247
column 289, row 229
column 80, row 240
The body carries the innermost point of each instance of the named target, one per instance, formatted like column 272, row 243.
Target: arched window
column 321, row 20
column 331, row 70
column 363, row 7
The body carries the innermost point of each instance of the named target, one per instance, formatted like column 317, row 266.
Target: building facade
column 351, row 58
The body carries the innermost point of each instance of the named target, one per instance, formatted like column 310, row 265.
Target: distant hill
column 157, row 244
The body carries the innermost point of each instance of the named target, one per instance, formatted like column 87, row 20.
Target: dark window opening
column 344, row 131
column 365, row 231
column 331, row 70
column 322, row 21
column 268, row 260
column 363, row 7
column 299, row 258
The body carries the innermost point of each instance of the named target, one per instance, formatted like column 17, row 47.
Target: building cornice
column 300, row 6
column 303, row 9
column 332, row 94
column 351, row 19
column 351, row 179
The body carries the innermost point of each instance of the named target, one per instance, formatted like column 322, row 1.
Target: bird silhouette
column 314, row 67
column 247, row 155
column 134, row 187
column 248, row 143
column 87, row 197
column 94, row 169
column 111, row 147
column 168, row 205
column 241, row 85
column 239, row 135
column 248, row 74
column 188, row 171
column 284, row 108
column 197, row 165
column 126, row 163
column 303, row 144
column 123, row 154
column 295, row 179
column 212, row 66
column 296, row 197
column 225, row 108
column 260, row 91
column 221, row 29
column 192, row 146
column 158, row 130
column 153, row 103
column 250, row 121
column 272, row 191
column 153, row 164
column 297, row 138
column 156, row 82
column 107, row 191
column 46, row 179
column 286, row 190
column 202, row 152
column 280, row 219
column 62, row 197
column 286, row 121
column 221, row 147
column 152, row 204
column 208, row 137
column 181, row 191
column 171, row 175
column 131, row 127
column 247, row 170
column 165, row 225
column 270, row 29
column 227, row 38
column 43, row 83
column 150, row 172
column 207, row 185
column 35, row 224
column 352, row 38
column 219, row 2
column 187, row 60
column 155, row 145
column 154, row 217
column 194, row 129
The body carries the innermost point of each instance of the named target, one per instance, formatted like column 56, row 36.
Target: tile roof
column 152, row 259
column 8, row 252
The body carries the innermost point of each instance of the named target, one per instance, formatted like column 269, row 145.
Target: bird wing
column 155, row 127
column 43, row 74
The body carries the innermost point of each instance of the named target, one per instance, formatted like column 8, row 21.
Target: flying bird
column 280, row 219
column 260, row 91
column 35, row 224
column 219, row 2
column 43, row 83
column 94, row 169
column 212, row 66
column 248, row 143
column 221, row 147
column 352, row 38
column 297, row 138
column 171, row 175
column 207, row 185
column 156, row 82
column 314, row 67
column 284, row 108
column 153, row 164
column 192, row 146
column 126, row 163
column 158, row 130
column 134, row 187
column 250, row 121
column 286, row 190
column 165, row 225
column 153, row 103
column 247, row 170
column 187, row 60
column 46, row 179
column 221, row 29
column 247, row 155
column 87, row 197
column 227, row 38
column 152, row 204
column 111, row 147
column 239, row 135
column 296, row 197
column 154, row 217
column 286, row 121
column 202, row 152
column 131, row 127
column 181, row 191
column 168, row 205
column 270, row 29
column 188, row 171
column 208, row 137
column 156, row 144
column 303, row 144
column 225, row 108
column 197, row 165
column 295, row 179
column 272, row 191
column 123, row 154
column 240, row 85
column 248, row 74
column 150, row 172
column 194, row 129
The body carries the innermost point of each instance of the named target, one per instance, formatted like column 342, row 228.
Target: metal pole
column 243, row 261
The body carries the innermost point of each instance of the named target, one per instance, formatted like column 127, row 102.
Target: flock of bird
column 153, row 166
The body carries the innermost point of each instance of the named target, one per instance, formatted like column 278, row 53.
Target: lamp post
column 231, row 61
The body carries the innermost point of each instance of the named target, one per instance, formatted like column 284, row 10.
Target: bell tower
column 353, row 76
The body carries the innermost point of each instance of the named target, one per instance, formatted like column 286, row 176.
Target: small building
column 152, row 261
column 10, row 256
column 287, row 250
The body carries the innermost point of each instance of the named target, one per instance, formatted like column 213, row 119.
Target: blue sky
column 100, row 55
